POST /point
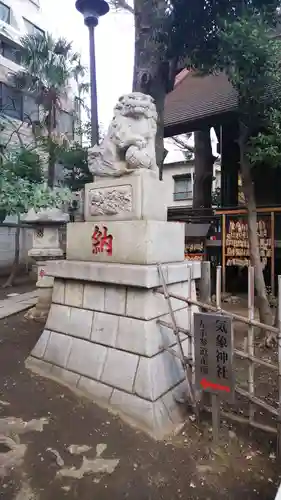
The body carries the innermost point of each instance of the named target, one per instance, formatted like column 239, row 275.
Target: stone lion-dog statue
column 130, row 141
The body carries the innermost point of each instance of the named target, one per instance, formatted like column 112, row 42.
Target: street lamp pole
column 92, row 10
column 94, row 102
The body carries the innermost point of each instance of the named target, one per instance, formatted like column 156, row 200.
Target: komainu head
column 136, row 105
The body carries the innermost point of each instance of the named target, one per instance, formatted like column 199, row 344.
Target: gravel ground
column 40, row 421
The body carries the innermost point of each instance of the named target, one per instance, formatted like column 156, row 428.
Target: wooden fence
column 251, row 353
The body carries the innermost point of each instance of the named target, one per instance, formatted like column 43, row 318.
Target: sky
column 114, row 55
column 114, row 49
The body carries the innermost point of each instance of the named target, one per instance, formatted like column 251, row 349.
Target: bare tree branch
column 15, row 131
column 181, row 141
column 122, row 5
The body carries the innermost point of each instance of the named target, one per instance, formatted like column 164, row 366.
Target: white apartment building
column 178, row 175
column 19, row 17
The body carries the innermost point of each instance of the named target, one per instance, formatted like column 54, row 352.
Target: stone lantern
column 46, row 245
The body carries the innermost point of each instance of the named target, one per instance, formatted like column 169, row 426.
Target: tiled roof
column 195, row 98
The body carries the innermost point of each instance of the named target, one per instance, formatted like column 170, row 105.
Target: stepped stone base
column 106, row 342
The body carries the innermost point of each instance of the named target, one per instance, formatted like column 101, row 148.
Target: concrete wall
column 7, row 246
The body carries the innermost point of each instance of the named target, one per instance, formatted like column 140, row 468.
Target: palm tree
column 49, row 65
column 83, row 88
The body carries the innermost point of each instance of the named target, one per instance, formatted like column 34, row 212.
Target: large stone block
column 95, row 390
column 80, row 322
column 39, row 366
column 148, row 338
column 58, row 291
column 115, row 300
column 152, row 417
column 67, row 377
column 149, row 304
column 58, row 318
column 173, row 401
column 120, row 369
column 128, row 242
column 87, row 358
column 70, row 320
column 138, row 336
column 51, row 371
column 124, row 274
column 126, row 198
column 157, row 375
column 39, row 350
column 73, row 293
column 58, row 349
column 105, row 329
column 94, row 296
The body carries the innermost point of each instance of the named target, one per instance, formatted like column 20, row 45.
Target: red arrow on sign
column 210, row 385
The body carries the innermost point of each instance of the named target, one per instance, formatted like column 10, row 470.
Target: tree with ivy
column 234, row 37
column 249, row 54
column 168, row 34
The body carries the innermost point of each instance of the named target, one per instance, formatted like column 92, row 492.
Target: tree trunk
column 157, row 91
column 52, row 122
column 204, row 164
column 276, row 319
column 151, row 74
column 249, row 193
column 51, row 163
column 15, row 266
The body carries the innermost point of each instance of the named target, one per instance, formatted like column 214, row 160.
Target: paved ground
column 42, row 423
column 23, row 284
column 16, row 303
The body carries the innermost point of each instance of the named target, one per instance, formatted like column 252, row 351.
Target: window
column 32, row 29
column 11, row 102
column 182, row 187
column 5, row 13
column 10, row 52
column 15, row 104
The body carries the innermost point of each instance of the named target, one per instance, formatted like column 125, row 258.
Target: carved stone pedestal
column 138, row 196
column 103, row 337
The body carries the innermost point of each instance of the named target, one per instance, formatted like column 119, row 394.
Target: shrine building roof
column 197, row 99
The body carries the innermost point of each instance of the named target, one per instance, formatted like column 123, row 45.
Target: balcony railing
column 184, row 195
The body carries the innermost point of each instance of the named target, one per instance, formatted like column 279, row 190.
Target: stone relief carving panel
column 111, row 200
